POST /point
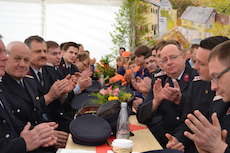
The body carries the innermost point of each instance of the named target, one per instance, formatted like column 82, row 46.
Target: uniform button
column 35, row 109
column 7, row 135
column 12, row 111
column 36, row 122
column 177, row 117
column 4, row 121
column 18, row 110
column 61, row 113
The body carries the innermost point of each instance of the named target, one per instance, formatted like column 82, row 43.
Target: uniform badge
column 228, row 112
column 186, row 77
column 216, row 98
column 161, row 73
column 63, row 66
column 29, row 76
column 29, row 73
column 196, row 78
column 206, row 91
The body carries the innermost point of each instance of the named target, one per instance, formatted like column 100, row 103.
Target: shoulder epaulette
column 0, row 79
column 216, row 98
column 196, row 78
column 29, row 76
column 161, row 73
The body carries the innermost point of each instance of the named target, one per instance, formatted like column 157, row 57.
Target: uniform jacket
column 55, row 108
column 121, row 70
column 64, row 71
column 142, row 72
column 200, row 98
column 25, row 102
column 187, row 62
column 223, row 113
column 8, row 142
column 171, row 113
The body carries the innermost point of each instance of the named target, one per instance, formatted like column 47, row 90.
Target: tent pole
column 43, row 19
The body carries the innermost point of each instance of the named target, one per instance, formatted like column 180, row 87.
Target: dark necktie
column 41, row 78
column 6, row 117
column 20, row 83
column 69, row 70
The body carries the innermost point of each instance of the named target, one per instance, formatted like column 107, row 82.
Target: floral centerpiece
column 111, row 93
column 103, row 68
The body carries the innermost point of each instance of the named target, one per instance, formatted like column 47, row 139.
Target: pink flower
column 110, row 88
column 116, row 90
column 104, row 92
column 115, row 93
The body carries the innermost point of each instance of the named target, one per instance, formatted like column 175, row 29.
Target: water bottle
column 123, row 123
column 102, row 82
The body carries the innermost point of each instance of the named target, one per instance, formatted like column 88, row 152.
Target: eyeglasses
column 85, row 65
column 172, row 58
column 216, row 77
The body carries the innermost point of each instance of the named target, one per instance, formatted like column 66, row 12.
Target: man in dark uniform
column 69, row 52
column 21, row 91
column 69, row 55
column 207, row 136
column 48, row 84
column 14, row 136
column 165, row 94
column 200, row 96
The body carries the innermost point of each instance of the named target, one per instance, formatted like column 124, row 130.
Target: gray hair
column 13, row 43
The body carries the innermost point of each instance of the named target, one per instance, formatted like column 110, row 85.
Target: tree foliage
column 129, row 19
column 181, row 5
column 121, row 33
column 219, row 29
column 222, row 6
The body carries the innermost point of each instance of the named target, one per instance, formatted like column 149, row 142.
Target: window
column 186, row 32
column 210, row 26
column 185, row 22
column 192, row 24
column 223, row 20
column 199, row 33
column 199, row 25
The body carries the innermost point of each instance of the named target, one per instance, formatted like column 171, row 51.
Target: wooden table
column 143, row 139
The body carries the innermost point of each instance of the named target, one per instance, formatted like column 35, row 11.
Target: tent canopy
column 85, row 2
column 87, row 22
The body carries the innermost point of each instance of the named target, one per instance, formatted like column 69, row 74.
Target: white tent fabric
column 86, row 24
